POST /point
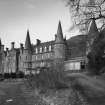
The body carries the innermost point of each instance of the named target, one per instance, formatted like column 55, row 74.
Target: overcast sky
column 41, row 17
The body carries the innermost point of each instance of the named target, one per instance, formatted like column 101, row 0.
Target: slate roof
column 93, row 27
column 77, row 46
column 93, row 30
column 59, row 35
column 45, row 43
column 28, row 42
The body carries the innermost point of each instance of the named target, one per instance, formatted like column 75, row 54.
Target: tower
column 59, row 46
column 27, row 55
column 28, row 42
column 92, row 35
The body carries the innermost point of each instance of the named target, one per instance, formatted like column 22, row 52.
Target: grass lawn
column 82, row 88
column 16, row 93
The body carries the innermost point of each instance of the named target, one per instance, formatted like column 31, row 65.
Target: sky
column 41, row 17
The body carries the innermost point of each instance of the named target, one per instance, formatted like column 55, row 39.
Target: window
column 26, row 57
column 40, row 49
column 36, row 50
column 42, row 57
column 82, row 65
column 48, row 55
column 50, row 48
column 36, row 57
column 20, row 57
column 45, row 49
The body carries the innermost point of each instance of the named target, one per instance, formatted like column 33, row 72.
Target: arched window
column 40, row 49
column 36, row 57
column 26, row 57
column 36, row 50
column 42, row 57
column 45, row 49
column 50, row 48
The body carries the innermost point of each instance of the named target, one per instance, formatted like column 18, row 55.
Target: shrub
column 13, row 75
column 96, row 60
column 20, row 74
column 47, row 79
column 7, row 76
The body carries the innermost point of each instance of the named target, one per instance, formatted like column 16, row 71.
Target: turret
column 59, row 47
column 28, row 42
column 27, row 52
column 92, row 28
column 59, row 36
column 92, row 31
column 92, row 35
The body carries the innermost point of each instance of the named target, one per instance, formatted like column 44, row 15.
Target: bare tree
column 82, row 11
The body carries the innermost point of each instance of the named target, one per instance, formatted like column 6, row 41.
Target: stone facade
column 28, row 58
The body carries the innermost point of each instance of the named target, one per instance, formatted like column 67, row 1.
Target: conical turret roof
column 93, row 27
column 59, row 35
column 28, row 42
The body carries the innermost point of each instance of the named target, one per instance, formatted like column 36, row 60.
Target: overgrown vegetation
column 47, row 79
column 96, row 63
column 82, row 11
column 19, row 74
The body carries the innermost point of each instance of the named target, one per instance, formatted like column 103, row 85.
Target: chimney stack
column 38, row 41
column 6, row 49
column 21, row 45
column 12, row 45
column 2, row 48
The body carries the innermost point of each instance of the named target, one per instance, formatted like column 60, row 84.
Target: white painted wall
column 73, row 65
